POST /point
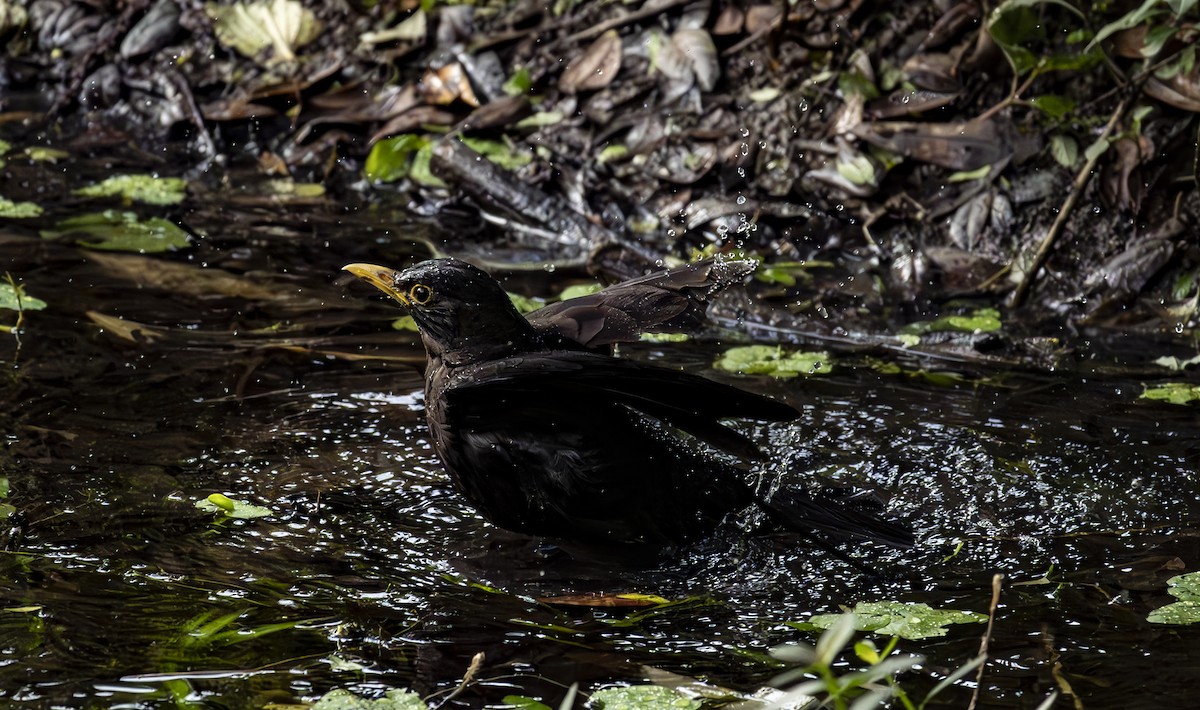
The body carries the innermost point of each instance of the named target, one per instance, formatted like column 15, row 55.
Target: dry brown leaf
column 760, row 17
column 958, row 146
column 446, row 85
column 595, row 68
column 730, row 21
column 184, row 278
column 701, row 53
column 1181, row 91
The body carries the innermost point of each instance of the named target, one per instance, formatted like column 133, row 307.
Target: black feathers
column 546, row 437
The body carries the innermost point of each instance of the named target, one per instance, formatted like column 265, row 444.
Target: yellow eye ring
column 420, row 294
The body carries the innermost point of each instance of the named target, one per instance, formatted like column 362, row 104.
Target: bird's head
column 463, row 314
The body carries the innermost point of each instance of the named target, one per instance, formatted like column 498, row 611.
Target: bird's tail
column 800, row 511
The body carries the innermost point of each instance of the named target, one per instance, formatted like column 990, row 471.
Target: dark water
column 116, row 591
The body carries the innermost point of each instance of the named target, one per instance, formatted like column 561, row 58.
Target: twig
column 650, row 10
column 1012, row 98
column 1064, row 213
column 476, row 663
column 987, row 638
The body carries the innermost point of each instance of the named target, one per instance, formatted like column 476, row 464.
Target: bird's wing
column 675, row 299
column 685, row 401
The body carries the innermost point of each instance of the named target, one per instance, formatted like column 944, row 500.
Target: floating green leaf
column 1185, row 588
column 665, row 337
column 341, row 699
column 984, row 320
column 143, row 188
column 642, row 697
column 904, row 619
column 1174, row 393
column 122, row 231
column 577, row 290
column 231, row 507
column 774, row 361
column 524, row 304
column 523, row 703
column 18, row 210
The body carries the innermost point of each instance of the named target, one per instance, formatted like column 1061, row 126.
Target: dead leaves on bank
column 595, row 68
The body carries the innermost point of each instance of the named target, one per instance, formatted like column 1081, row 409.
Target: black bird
column 546, row 437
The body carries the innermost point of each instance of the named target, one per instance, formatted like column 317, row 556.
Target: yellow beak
column 381, row 277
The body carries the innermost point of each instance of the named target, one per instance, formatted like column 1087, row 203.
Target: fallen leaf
column 596, row 67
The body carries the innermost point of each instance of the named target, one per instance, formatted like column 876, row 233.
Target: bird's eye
column 420, row 294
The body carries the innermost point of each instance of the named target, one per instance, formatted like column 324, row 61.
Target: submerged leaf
column 772, row 360
column 122, row 231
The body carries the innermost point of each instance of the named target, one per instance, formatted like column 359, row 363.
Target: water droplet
column 741, row 200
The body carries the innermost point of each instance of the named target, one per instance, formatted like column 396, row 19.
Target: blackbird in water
column 546, row 436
